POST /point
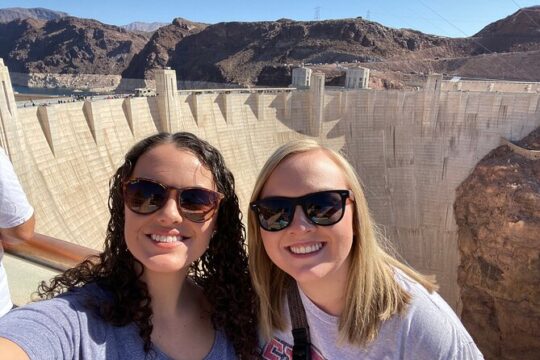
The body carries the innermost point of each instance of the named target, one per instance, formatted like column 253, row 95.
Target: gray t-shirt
column 65, row 328
column 429, row 330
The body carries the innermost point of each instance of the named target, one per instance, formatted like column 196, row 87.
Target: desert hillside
column 263, row 53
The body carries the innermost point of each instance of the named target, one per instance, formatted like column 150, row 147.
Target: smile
column 306, row 249
column 166, row 238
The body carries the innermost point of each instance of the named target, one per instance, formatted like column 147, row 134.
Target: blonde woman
column 309, row 228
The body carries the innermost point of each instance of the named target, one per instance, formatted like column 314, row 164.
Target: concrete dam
column 412, row 149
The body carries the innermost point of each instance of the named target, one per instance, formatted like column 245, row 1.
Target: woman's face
column 309, row 253
column 165, row 241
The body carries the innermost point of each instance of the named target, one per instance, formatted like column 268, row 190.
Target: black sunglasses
column 323, row 208
column 145, row 196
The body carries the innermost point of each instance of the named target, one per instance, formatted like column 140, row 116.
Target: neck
column 328, row 293
column 168, row 291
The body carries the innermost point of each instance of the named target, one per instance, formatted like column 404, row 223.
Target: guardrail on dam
column 411, row 148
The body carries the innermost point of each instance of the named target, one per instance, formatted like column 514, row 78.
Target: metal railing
column 47, row 251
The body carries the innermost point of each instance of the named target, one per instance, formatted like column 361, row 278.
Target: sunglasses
column 322, row 208
column 144, row 196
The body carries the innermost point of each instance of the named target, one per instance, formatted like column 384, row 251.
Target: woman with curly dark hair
column 172, row 281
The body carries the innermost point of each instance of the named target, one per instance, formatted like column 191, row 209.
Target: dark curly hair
column 222, row 271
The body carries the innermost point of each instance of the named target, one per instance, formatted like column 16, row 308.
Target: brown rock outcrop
column 240, row 51
column 497, row 210
column 262, row 53
column 158, row 50
column 67, row 45
column 518, row 32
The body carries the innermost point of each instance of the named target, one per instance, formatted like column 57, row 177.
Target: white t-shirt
column 429, row 330
column 14, row 211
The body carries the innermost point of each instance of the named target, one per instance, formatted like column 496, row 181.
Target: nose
column 169, row 213
column 300, row 223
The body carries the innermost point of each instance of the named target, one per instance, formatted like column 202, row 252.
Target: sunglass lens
column 274, row 214
column 144, row 197
column 198, row 205
column 324, row 208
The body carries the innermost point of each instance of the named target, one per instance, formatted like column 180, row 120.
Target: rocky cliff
column 239, row 52
column 158, row 51
column 497, row 210
column 67, row 45
column 516, row 33
column 263, row 53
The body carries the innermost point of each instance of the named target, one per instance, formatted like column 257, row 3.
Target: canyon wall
column 498, row 213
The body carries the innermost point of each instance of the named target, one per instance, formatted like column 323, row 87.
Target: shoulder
column 65, row 310
column 425, row 304
column 80, row 298
column 63, row 327
column 432, row 327
column 66, row 307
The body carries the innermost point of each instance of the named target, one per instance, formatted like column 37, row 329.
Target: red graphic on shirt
column 277, row 349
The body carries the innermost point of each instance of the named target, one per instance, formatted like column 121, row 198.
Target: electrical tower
column 318, row 13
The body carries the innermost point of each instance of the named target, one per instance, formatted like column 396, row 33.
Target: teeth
column 165, row 238
column 305, row 249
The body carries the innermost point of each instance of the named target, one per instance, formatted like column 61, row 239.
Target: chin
column 165, row 265
column 306, row 276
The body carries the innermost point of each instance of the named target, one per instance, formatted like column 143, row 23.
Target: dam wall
column 411, row 149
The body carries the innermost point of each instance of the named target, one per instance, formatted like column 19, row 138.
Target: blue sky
column 457, row 18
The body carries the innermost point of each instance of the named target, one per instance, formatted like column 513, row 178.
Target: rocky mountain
column 10, row 14
column 497, row 210
column 67, row 45
column 260, row 53
column 160, row 48
column 523, row 22
column 143, row 26
column 516, row 33
column 240, row 51
column 264, row 53
column 507, row 49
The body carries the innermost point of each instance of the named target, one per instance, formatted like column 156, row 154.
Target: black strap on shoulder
column 300, row 328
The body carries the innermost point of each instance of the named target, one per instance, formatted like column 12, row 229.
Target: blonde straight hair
column 372, row 293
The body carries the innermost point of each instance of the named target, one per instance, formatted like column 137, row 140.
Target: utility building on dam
column 412, row 149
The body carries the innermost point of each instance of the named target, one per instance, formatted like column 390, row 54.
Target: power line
column 405, row 19
column 472, row 38
column 444, row 19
